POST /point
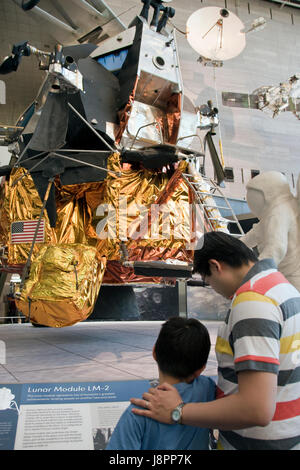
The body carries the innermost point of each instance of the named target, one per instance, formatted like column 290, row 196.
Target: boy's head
column 222, row 261
column 182, row 347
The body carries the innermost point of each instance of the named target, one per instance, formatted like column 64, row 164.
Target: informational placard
column 63, row 416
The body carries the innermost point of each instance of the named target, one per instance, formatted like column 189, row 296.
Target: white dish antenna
column 216, row 33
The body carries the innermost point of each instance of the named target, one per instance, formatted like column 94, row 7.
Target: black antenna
column 157, row 5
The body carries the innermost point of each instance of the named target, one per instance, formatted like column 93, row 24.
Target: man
column 257, row 350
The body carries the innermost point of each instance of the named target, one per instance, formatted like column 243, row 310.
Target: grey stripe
column 291, row 376
column 256, row 327
column 285, row 377
column 262, row 265
column 230, row 340
column 256, row 365
column 248, row 443
column 228, row 374
column 290, row 307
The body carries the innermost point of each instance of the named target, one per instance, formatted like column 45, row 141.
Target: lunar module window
column 229, row 175
column 113, row 61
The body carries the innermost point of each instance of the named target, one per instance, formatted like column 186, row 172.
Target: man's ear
column 215, row 266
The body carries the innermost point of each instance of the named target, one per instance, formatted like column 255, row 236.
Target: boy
column 181, row 353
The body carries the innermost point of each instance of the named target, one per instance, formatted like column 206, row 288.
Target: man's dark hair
column 182, row 347
column 222, row 247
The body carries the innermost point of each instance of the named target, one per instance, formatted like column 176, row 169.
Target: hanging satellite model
column 216, row 34
column 224, row 40
column 272, row 100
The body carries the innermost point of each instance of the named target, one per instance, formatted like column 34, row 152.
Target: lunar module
column 103, row 188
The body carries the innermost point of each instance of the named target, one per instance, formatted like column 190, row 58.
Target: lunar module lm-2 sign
column 103, row 188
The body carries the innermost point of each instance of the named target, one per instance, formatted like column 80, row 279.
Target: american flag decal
column 23, row 231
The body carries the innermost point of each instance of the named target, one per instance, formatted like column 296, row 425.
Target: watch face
column 176, row 415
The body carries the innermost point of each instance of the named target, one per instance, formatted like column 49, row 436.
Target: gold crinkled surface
column 131, row 200
column 63, row 285
column 50, row 296
column 21, row 202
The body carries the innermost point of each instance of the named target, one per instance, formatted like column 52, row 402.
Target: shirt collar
column 258, row 267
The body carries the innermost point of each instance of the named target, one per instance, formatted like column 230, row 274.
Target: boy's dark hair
column 182, row 347
column 221, row 247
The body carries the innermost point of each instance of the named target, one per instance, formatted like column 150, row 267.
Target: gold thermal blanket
column 149, row 211
column 63, row 285
column 21, row 201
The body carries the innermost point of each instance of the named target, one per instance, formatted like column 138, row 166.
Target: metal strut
column 28, row 261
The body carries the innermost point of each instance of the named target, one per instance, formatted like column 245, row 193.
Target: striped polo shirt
column 262, row 332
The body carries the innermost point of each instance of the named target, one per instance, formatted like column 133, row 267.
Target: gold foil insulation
column 124, row 114
column 63, row 285
column 21, row 202
column 149, row 211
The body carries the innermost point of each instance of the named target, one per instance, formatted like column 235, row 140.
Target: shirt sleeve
column 128, row 433
column 256, row 332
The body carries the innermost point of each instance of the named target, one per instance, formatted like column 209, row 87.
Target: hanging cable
column 217, row 105
column 175, row 27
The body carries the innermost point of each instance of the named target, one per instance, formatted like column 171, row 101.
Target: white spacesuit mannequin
column 277, row 234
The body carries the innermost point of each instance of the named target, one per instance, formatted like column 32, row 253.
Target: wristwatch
column 176, row 414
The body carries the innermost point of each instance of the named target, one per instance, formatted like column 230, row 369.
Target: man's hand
column 159, row 403
column 253, row 405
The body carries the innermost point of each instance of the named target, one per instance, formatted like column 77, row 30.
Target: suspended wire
column 175, row 27
column 217, row 105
